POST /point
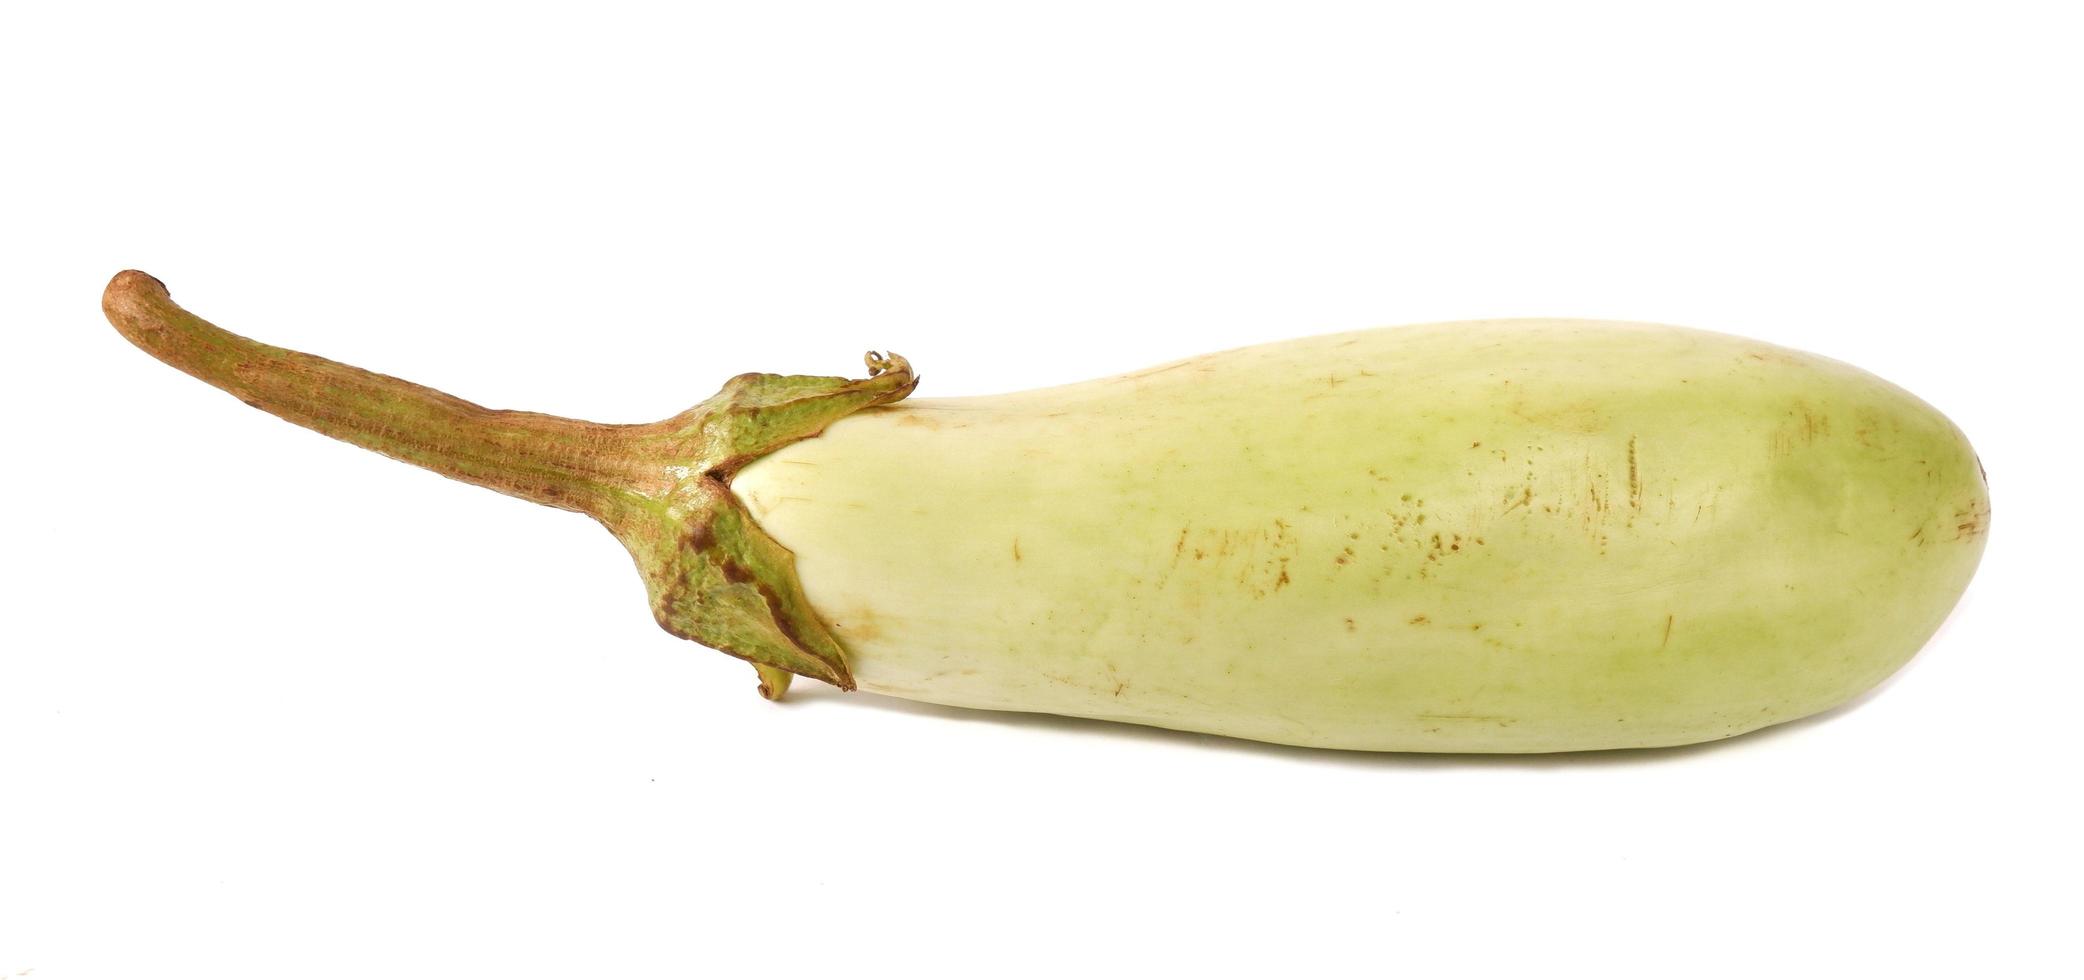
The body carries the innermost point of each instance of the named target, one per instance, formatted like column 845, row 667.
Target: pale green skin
column 1518, row 536
column 1497, row 537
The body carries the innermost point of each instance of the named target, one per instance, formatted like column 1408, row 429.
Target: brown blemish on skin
column 1635, row 480
column 1804, row 427
column 1814, row 424
column 1420, row 620
column 1526, row 499
column 1669, row 618
column 1773, row 356
column 1581, row 416
column 1864, row 435
column 919, row 419
column 1160, row 369
column 860, row 626
column 1253, row 558
column 1971, row 520
column 1350, row 627
column 1016, row 549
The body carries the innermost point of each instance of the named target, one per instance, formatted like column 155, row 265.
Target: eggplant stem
column 663, row 488
column 566, row 463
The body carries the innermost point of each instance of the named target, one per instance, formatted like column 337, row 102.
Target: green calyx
column 714, row 575
column 663, row 488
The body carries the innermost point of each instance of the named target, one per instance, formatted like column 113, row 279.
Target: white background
column 274, row 707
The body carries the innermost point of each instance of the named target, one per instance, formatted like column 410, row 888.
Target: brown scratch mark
column 1526, row 499
column 1016, row 549
column 1181, row 545
column 1918, row 535
column 1972, row 520
column 1420, row 620
column 1584, row 416
column 1804, row 427
column 1814, row 424
column 1635, row 480
column 1669, row 618
column 918, row 419
column 1160, row 369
